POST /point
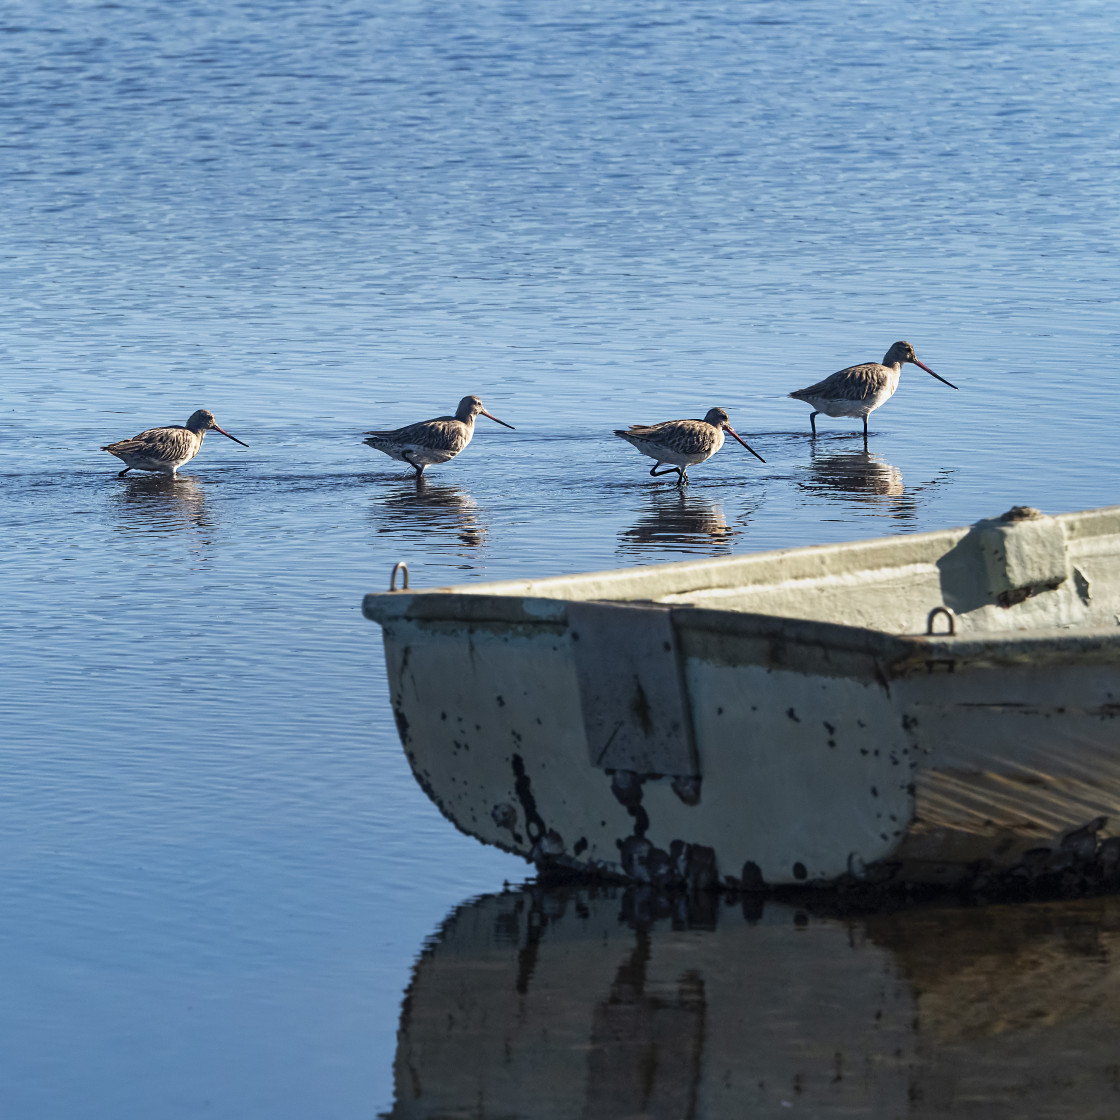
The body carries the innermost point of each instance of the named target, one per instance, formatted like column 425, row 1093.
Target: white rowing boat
column 783, row 717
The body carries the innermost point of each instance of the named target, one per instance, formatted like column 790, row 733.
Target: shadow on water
column 865, row 476
column 601, row 1003
column 675, row 519
column 420, row 511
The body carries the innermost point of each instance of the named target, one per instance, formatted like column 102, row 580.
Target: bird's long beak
column 745, row 444
column 922, row 365
column 228, row 436
column 497, row 421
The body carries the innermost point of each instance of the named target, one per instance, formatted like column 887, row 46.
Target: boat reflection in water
column 600, row 1004
column 422, row 511
column 680, row 522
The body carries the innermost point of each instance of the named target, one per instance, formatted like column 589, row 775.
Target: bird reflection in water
column 161, row 502
column 680, row 522
column 167, row 508
column 425, row 512
column 864, row 475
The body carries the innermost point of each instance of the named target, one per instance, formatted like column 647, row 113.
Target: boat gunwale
column 1080, row 526
column 674, row 573
column 897, row 655
column 543, row 602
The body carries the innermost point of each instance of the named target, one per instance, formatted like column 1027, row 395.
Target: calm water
column 315, row 219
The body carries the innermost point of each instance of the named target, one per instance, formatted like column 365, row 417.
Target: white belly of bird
column 428, row 456
column 416, row 454
column 863, row 406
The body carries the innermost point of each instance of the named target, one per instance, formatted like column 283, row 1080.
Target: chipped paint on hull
column 518, row 774
column 813, row 750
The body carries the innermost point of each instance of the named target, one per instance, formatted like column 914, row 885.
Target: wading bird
column 430, row 442
column 859, row 390
column 682, row 443
column 165, row 450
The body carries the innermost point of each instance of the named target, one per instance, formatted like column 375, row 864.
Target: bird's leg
column 121, row 474
column 813, row 422
column 682, row 479
column 865, row 433
column 417, row 467
column 668, row 470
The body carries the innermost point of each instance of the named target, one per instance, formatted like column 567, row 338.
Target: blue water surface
column 317, row 218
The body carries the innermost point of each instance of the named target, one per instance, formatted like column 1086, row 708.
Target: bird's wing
column 690, row 437
column 646, row 429
column 411, row 433
column 151, row 439
column 124, row 446
column 686, row 436
column 840, row 385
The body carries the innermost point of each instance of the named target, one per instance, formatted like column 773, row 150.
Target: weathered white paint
column 829, row 732
column 632, row 695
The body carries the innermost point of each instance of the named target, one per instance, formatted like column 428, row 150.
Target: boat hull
column 663, row 742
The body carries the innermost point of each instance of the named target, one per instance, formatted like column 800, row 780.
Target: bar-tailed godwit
column 859, row 390
column 165, row 450
column 682, row 443
column 429, row 442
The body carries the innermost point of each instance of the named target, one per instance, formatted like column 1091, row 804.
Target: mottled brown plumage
column 682, row 443
column 430, row 442
column 165, row 450
column 859, row 390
